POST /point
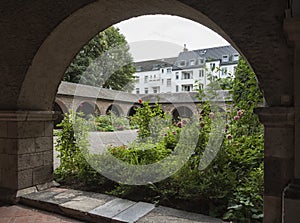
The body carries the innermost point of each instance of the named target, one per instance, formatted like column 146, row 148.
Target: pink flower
column 236, row 117
column 174, row 133
column 240, row 112
column 179, row 124
column 211, row 115
column 140, row 101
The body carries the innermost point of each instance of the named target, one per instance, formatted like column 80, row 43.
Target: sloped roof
column 149, row 64
column 80, row 90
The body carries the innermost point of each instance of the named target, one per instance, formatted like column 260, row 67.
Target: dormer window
column 192, row 62
column 139, row 68
column 155, row 67
column 201, row 61
column 235, row 57
column 182, row 63
column 225, row 58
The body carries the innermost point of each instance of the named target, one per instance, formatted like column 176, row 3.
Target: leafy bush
column 111, row 122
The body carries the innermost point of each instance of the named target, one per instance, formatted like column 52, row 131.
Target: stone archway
column 116, row 109
column 88, row 109
column 181, row 112
column 55, row 36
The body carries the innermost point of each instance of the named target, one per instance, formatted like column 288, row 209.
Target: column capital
column 23, row 116
column 276, row 116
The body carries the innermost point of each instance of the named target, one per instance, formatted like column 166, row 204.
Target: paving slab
column 134, row 213
column 169, row 215
column 112, row 208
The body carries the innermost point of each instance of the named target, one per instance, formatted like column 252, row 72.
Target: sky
column 161, row 36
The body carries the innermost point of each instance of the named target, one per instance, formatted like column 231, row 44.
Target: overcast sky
column 160, row 36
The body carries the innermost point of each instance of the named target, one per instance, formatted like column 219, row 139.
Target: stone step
column 98, row 208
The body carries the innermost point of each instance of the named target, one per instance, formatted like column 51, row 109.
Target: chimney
column 184, row 48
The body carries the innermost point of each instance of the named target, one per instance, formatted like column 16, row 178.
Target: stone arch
column 88, row 109
column 132, row 111
column 116, row 109
column 181, row 112
column 57, row 51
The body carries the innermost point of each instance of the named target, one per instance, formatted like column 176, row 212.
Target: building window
column 187, row 87
column 146, row 79
column 146, row 90
column 162, row 81
column 177, row 75
column 155, row 67
column 137, row 90
column 225, row 58
column 169, row 70
column 235, row 57
column 192, row 62
column 201, row 61
column 182, row 63
column 168, row 82
column 186, row 75
column 212, row 66
column 155, row 90
column 201, row 73
column 139, row 68
column 177, row 88
column 224, row 71
column 200, row 86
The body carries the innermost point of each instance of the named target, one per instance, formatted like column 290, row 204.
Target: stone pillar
column 26, row 151
column 278, row 160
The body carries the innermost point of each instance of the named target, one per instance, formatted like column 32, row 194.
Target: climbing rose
column 140, row 101
column 236, row 117
column 179, row 124
column 211, row 115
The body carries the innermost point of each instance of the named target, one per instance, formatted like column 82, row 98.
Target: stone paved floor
column 21, row 214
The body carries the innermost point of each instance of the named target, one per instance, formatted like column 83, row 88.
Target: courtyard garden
column 230, row 187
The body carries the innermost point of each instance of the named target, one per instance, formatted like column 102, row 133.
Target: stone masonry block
column 26, row 146
column 48, row 158
column 48, row 128
column 24, row 179
column 44, row 144
column 24, row 161
column 42, row 174
column 25, row 129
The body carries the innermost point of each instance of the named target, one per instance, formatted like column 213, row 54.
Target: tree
column 104, row 62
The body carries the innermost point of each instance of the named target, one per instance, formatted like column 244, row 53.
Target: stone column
column 278, row 160
column 26, row 151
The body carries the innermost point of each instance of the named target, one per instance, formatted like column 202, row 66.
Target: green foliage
column 72, row 144
column 111, row 122
column 149, row 120
column 231, row 187
column 104, row 62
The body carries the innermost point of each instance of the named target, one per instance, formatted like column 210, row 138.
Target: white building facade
column 181, row 73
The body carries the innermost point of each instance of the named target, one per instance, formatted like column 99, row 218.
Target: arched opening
column 80, row 42
column 181, row 112
column 88, row 110
column 113, row 108
column 132, row 111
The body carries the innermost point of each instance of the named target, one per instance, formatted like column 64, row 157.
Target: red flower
column 202, row 124
column 240, row 112
column 229, row 137
column 179, row 124
column 140, row 101
column 174, row 133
